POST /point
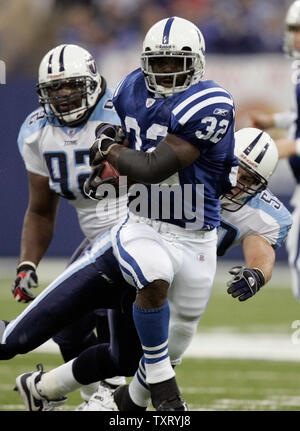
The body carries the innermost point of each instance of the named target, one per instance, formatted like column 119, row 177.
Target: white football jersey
column 62, row 155
column 263, row 215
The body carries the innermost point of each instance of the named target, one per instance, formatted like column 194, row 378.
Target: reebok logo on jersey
column 149, row 102
column 219, row 111
column 71, row 142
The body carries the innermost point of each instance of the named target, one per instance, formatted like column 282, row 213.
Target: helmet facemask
column 167, row 72
column 249, row 184
column 67, row 99
column 291, row 44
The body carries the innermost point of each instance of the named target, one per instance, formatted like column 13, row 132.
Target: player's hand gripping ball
column 102, row 175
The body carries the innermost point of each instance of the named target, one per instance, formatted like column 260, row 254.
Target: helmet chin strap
column 74, row 115
column 165, row 91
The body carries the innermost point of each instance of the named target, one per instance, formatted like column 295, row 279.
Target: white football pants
column 149, row 250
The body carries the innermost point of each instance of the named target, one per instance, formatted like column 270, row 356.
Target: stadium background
column 244, row 54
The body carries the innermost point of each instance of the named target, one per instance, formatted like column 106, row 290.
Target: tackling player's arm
column 279, row 120
column 37, row 232
column 259, row 253
column 170, row 155
column 287, row 147
column 247, row 280
column 262, row 120
column 39, row 220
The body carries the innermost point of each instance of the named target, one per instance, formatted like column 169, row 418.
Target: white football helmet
column 69, row 84
column 292, row 23
column 180, row 41
column 258, row 157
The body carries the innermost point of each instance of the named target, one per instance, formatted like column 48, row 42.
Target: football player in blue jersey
column 54, row 143
column 290, row 148
column 251, row 216
column 181, row 133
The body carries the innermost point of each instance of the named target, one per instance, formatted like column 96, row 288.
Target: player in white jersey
column 54, row 142
column 251, row 215
column 290, row 148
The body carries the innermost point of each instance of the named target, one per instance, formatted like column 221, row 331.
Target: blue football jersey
column 295, row 160
column 203, row 115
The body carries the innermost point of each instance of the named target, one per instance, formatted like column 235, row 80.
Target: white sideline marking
column 272, row 347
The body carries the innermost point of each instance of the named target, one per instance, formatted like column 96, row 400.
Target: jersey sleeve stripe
column 198, row 95
column 118, row 87
column 196, row 108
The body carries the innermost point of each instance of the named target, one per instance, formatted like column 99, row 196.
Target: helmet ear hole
column 93, row 85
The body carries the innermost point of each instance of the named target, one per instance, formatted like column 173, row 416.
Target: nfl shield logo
column 149, row 102
column 71, row 132
column 201, row 257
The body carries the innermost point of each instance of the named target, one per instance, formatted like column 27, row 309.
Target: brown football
column 108, row 171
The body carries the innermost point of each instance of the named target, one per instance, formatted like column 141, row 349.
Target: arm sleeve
column 149, row 168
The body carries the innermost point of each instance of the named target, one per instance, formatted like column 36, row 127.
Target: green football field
column 207, row 383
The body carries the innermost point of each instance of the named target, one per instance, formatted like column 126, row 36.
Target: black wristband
column 260, row 276
column 26, row 267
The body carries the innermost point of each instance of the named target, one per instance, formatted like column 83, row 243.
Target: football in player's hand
column 109, row 171
column 110, row 175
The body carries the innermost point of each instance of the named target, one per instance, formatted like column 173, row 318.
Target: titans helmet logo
column 91, row 64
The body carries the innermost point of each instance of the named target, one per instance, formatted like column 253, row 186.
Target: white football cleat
column 33, row 400
column 81, row 406
column 102, row 399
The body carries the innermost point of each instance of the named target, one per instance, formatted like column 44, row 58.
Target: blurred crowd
column 29, row 28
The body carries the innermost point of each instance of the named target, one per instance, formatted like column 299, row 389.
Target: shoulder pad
column 35, row 117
